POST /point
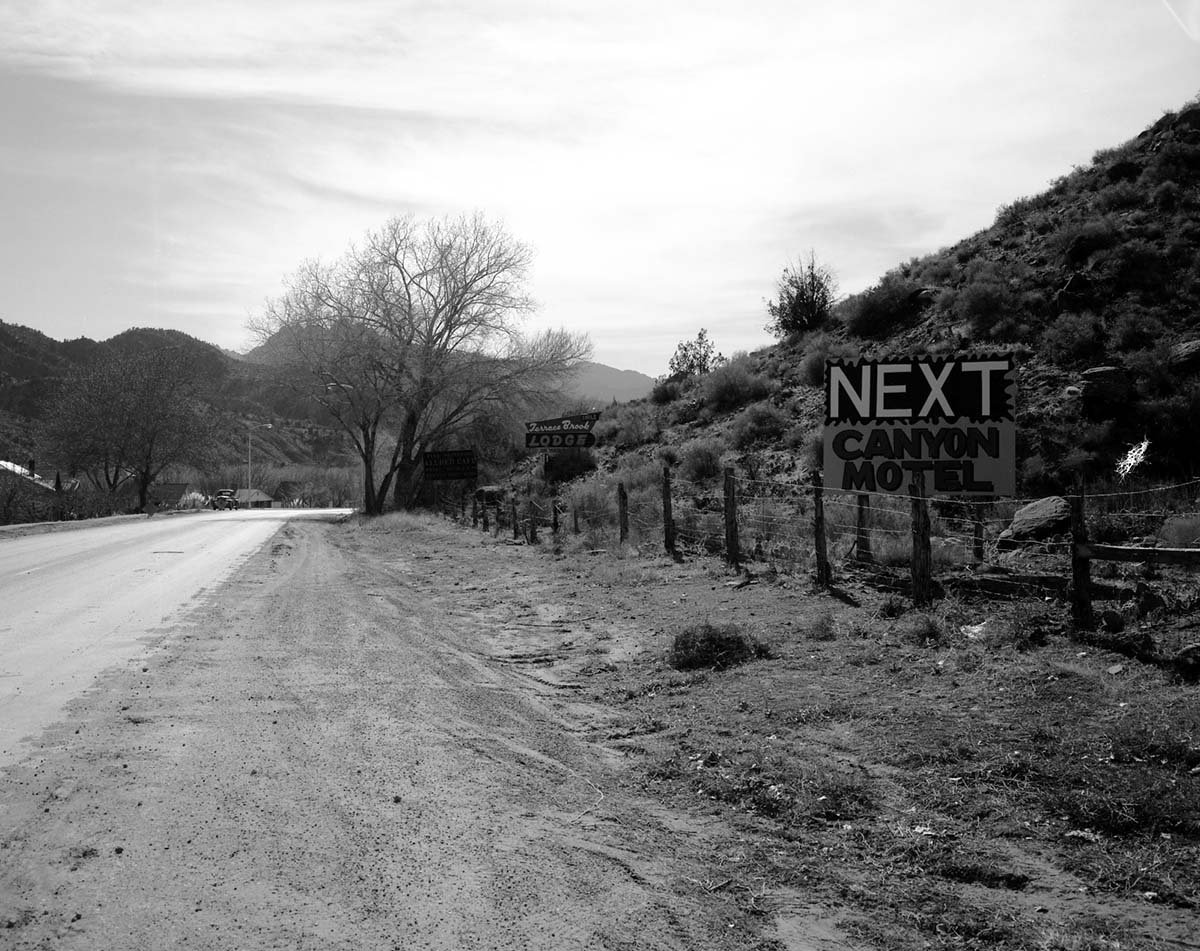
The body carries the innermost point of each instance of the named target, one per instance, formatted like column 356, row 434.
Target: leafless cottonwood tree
column 123, row 418
column 412, row 337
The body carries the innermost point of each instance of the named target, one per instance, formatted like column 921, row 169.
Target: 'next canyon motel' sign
column 953, row 420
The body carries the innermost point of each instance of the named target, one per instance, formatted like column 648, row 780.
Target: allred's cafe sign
column 953, row 420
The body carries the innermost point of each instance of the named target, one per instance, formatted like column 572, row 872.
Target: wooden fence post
column 623, row 512
column 483, row 512
column 554, row 515
column 732, row 554
column 516, row 522
column 575, row 520
column 824, row 573
column 668, row 519
column 1081, row 575
column 977, row 512
column 533, row 535
column 496, row 529
column 862, row 533
column 922, row 555
column 474, row 512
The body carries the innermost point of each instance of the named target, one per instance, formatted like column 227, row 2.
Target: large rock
column 1185, row 356
column 1037, row 520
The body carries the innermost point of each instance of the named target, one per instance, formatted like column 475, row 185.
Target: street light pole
column 249, row 427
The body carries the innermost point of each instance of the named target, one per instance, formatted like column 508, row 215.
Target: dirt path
column 357, row 745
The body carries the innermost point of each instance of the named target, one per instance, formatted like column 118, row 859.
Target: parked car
column 225, row 499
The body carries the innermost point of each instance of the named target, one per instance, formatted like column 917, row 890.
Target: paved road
column 73, row 603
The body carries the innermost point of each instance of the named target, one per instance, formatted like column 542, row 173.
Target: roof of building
column 24, row 473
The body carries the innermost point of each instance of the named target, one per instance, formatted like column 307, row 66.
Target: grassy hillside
column 1094, row 286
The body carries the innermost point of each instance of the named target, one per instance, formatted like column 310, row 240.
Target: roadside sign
column 449, row 465
column 582, row 422
column 954, row 419
column 571, row 439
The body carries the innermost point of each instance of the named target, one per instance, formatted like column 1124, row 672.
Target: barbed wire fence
column 804, row 527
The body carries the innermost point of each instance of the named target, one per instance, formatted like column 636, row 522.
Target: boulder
column 1037, row 520
column 1185, row 356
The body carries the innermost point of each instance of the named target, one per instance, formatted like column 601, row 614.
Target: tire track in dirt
column 343, row 750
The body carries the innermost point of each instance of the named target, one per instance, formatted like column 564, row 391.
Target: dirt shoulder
column 406, row 734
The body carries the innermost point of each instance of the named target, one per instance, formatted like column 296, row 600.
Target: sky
column 170, row 164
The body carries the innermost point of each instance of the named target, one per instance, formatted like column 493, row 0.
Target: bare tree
column 414, row 336
column 124, row 418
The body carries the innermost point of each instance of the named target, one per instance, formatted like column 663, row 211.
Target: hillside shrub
column 990, row 308
column 666, row 391
column 627, row 425
column 733, row 385
column 819, row 348
column 700, row 459
column 1165, row 196
column 1073, row 338
column 888, row 306
column 1078, row 242
column 758, row 423
column 1135, row 328
column 1119, row 197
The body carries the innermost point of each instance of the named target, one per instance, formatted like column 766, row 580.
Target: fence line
column 809, row 528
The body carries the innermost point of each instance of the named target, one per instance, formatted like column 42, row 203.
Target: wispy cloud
column 665, row 159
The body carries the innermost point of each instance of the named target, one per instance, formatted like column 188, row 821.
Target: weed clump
column 712, row 645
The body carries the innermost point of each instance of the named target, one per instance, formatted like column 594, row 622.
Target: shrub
column 1073, row 338
column 989, row 308
column 1166, row 196
column 1079, row 242
column 1136, row 328
column 758, row 423
column 819, row 348
column 666, row 391
column 822, row 628
column 805, row 296
column 716, row 646
column 700, row 459
column 629, row 425
column 1118, row 197
column 733, row 385
column 888, row 306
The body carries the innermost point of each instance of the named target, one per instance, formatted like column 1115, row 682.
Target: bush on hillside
column 989, row 308
column 889, row 306
column 1073, row 339
column 627, row 425
column 733, row 385
column 819, row 348
column 666, row 391
column 700, row 459
column 761, row 422
column 1078, row 242
column 1135, row 328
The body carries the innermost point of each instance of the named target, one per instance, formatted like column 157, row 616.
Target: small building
column 253, row 499
column 27, row 497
